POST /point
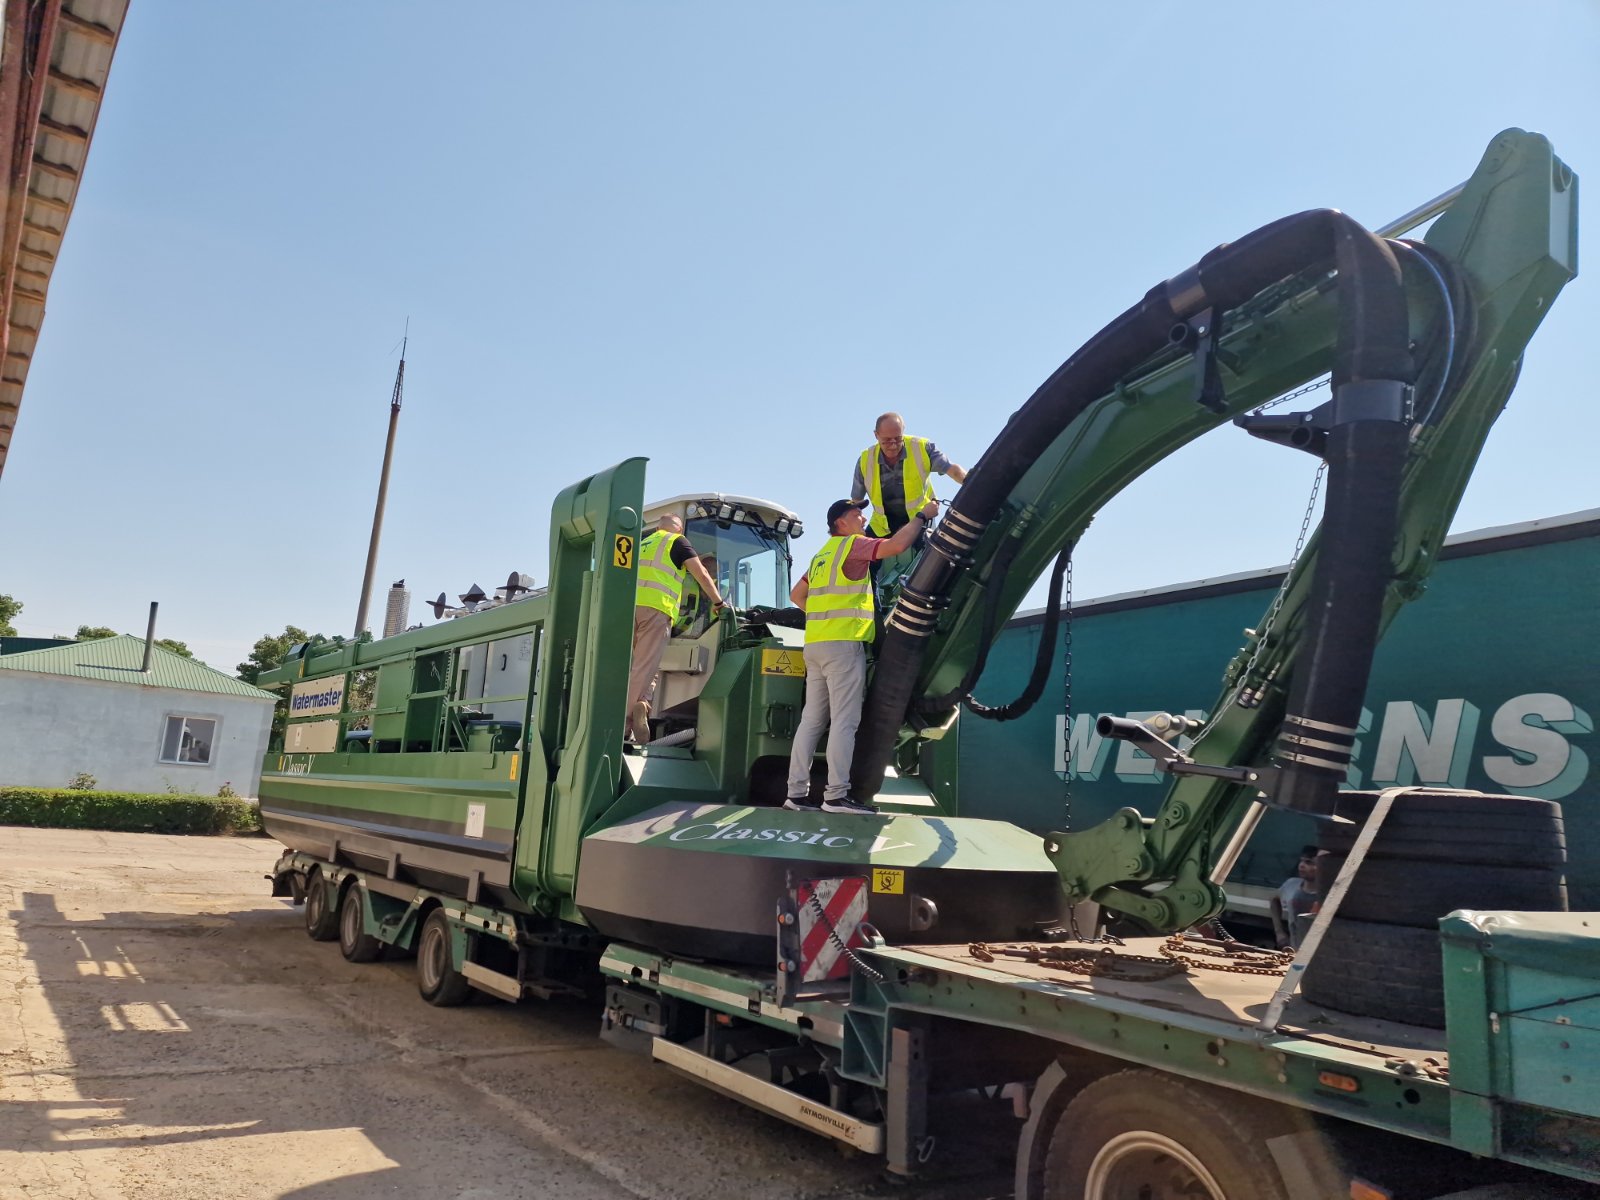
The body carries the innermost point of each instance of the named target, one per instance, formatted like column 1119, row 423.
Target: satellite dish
column 514, row 585
column 438, row 607
column 474, row 595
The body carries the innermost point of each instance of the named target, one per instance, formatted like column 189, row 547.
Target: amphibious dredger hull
column 443, row 834
column 704, row 880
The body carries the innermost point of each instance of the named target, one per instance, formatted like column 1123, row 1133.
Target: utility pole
column 383, row 489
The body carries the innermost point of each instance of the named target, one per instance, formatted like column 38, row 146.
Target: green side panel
column 1523, row 1000
column 1514, row 715
column 586, row 648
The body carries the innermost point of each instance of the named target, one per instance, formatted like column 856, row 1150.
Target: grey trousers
column 651, row 632
column 836, row 683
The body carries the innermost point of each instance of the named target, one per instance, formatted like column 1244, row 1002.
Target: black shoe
column 847, row 805
column 801, row 804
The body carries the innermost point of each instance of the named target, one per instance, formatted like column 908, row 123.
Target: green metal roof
column 118, row 659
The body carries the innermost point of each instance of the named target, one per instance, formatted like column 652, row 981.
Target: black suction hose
column 1372, row 345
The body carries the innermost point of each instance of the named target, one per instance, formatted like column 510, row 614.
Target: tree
column 8, row 609
column 91, row 633
column 268, row 651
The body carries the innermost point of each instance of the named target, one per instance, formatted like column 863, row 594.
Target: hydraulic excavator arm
column 1423, row 341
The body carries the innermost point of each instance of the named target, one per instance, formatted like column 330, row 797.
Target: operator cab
column 743, row 542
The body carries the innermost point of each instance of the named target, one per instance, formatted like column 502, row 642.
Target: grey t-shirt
column 894, row 485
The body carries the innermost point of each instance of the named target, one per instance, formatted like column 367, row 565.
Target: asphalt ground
column 168, row 1031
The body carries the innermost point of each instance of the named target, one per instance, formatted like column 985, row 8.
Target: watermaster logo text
column 319, row 701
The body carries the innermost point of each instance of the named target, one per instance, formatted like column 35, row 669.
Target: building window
column 188, row 740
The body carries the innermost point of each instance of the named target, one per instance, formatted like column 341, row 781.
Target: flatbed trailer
column 1345, row 1100
column 1351, row 1095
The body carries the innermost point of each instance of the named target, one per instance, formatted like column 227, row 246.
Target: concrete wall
column 52, row 727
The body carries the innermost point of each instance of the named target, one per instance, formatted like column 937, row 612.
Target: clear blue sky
column 722, row 235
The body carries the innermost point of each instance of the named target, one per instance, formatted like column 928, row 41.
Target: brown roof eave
column 30, row 30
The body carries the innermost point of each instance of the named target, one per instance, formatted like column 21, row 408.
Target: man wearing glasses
column 895, row 474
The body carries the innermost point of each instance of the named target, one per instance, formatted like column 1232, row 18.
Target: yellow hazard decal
column 889, row 881
column 783, row 662
column 514, row 758
column 622, row 551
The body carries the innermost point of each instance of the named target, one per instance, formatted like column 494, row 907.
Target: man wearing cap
column 665, row 559
column 895, row 474
column 836, row 593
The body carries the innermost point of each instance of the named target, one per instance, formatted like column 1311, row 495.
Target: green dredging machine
column 476, row 768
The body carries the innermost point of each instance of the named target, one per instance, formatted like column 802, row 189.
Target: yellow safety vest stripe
column 838, row 608
column 916, row 467
column 660, row 583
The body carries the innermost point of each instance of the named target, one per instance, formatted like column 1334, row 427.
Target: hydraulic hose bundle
column 1365, row 447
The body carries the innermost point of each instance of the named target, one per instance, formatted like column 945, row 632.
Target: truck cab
column 744, row 543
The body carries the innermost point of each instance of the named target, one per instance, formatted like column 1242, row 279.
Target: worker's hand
column 929, row 511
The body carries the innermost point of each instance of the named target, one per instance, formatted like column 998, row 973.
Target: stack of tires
column 1436, row 852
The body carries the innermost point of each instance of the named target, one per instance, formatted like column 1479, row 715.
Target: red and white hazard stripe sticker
column 845, row 903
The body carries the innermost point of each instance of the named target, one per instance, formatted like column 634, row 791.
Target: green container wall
column 1506, row 627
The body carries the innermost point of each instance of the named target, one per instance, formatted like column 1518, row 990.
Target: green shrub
column 83, row 782
column 126, row 812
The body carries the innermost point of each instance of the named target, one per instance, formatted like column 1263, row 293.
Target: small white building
column 90, row 707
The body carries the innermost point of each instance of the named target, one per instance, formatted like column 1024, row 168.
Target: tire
column 322, row 923
column 1454, row 827
column 438, row 980
column 355, row 943
column 1392, row 972
column 1144, row 1133
column 1396, row 892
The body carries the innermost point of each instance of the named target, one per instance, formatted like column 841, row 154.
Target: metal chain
column 1241, row 959
column 1105, row 963
column 1294, row 395
column 1066, row 722
column 833, row 935
column 1066, row 698
column 1288, row 573
column 1174, row 959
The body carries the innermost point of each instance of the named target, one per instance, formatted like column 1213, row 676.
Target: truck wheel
column 1143, row 1135
column 322, row 923
column 437, row 978
column 355, row 943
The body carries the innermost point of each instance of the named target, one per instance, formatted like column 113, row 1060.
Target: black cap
column 839, row 507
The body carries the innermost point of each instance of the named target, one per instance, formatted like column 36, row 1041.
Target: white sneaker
column 847, row 805
column 801, row 805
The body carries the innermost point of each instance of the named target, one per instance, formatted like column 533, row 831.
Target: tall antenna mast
column 383, row 487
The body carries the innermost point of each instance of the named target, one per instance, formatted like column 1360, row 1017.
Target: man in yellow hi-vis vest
column 665, row 559
column 896, row 474
column 836, row 594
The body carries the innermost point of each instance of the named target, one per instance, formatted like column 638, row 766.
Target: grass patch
column 126, row 812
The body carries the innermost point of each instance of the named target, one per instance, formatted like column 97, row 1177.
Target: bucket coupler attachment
column 1107, row 862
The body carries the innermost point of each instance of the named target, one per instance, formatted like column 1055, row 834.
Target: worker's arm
column 1280, row 931
column 901, row 539
column 799, row 592
column 707, row 584
column 858, row 484
column 958, row 473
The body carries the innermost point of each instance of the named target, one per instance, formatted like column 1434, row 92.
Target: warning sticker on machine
column 783, row 662
column 622, row 551
column 888, row 880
